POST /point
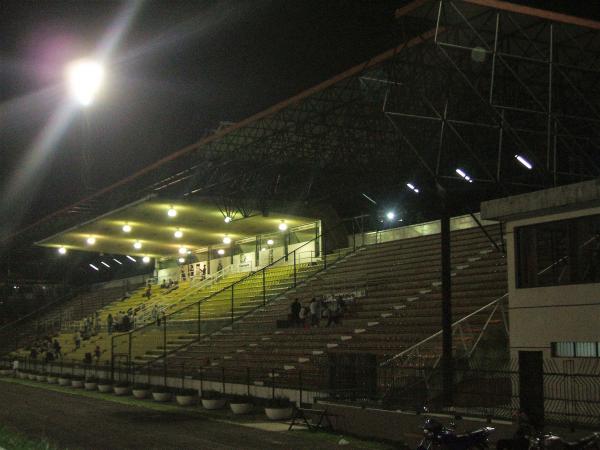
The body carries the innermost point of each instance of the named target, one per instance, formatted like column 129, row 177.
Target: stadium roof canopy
column 471, row 85
column 149, row 225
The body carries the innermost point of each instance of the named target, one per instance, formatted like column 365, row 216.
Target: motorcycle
column 437, row 436
column 549, row 441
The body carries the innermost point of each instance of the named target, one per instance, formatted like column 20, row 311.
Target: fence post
column 232, row 304
column 199, row 316
column 248, row 381
column 223, row 380
column 273, row 384
column 164, row 350
column 300, row 386
column 294, row 268
column 112, row 359
column 264, row 287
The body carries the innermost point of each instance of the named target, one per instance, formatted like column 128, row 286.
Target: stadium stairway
column 401, row 307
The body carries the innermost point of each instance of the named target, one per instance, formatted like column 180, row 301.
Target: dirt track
column 76, row 422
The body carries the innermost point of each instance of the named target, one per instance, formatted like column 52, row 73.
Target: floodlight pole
column 446, row 275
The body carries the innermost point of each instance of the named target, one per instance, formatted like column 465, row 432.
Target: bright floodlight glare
column 390, row 215
column 137, row 245
column 131, row 258
column 227, row 219
column 283, row 226
column 127, row 228
column 91, row 240
column 270, row 242
column 117, row 261
column 182, row 250
column 226, row 240
column 85, row 78
column 104, row 264
column 178, row 233
column 181, row 260
column 146, row 259
column 262, row 249
column 412, row 187
column 94, row 267
column 524, row 162
column 171, row 212
column 221, row 251
column 62, row 250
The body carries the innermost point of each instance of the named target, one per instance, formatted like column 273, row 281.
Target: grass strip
column 10, row 440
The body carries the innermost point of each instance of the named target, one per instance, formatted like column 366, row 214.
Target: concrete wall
column 539, row 316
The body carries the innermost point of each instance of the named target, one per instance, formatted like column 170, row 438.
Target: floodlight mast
column 84, row 78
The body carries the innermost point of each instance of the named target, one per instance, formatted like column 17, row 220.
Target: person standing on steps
column 295, row 313
column 315, row 312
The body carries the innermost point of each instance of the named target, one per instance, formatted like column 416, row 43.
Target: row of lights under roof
column 145, row 260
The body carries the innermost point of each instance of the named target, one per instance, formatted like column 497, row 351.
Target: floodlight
column 62, row 250
column 524, row 162
column 227, row 219
column 283, row 226
column 226, row 240
column 146, row 259
column 262, row 249
column 412, row 187
column 104, row 264
column 390, row 215
column 117, row 261
column 270, row 242
column 131, row 258
column 181, row 260
column 127, row 228
column 178, row 233
column 137, row 245
column 171, row 212
column 464, row 175
column 182, row 250
column 91, row 240
column 94, row 267
column 85, row 78
column 221, row 251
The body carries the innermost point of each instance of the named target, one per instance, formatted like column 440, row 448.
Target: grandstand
column 428, row 303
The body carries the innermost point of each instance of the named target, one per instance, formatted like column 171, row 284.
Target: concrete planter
column 279, row 413
column 64, row 381
column 141, row 393
column 106, row 388
column 5, row 372
column 52, row 379
column 241, row 408
column 121, row 390
column 186, row 400
column 31, row 376
column 217, row 403
column 162, row 396
column 40, row 377
column 22, row 375
column 78, row 384
column 90, row 386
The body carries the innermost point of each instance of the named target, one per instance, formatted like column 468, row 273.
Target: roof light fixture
column 62, row 250
column 464, row 175
column 137, row 245
column 270, row 242
column 91, row 240
column 226, row 240
column 146, row 259
column 171, row 212
column 85, row 78
column 94, row 267
column 181, row 260
column 117, row 261
column 390, row 215
column 131, row 258
column 127, row 228
column 104, row 264
column 283, row 226
column 412, row 187
column 178, row 233
column 227, row 219
column 221, row 251
column 182, row 250
column 524, row 162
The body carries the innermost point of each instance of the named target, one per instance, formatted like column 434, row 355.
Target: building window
column 558, row 253
column 576, row 349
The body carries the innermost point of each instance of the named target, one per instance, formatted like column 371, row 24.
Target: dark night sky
column 182, row 67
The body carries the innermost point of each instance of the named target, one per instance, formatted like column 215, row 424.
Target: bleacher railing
column 224, row 307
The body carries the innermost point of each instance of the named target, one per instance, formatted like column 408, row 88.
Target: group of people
column 123, row 320
column 169, row 286
column 316, row 310
column 47, row 349
column 90, row 326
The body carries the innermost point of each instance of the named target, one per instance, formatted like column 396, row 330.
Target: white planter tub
column 64, row 381
column 141, row 393
column 186, row 400
column 77, row 384
column 279, row 413
column 90, row 386
column 241, row 408
column 51, row 379
column 40, row 377
column 105, row 388
column 213, row 403
column 22, row 375
column 162, row 396
column 5, row 372
column 31, row 376
column 121, row 390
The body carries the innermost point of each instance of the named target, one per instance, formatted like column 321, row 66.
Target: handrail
column 433, row 336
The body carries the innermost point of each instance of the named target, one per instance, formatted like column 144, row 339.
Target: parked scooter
column 437, row 436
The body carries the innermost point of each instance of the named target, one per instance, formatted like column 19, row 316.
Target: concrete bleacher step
column 332, row 345
column 424, row 291
column 372, row 324
column 288, row 367
column 463, row 266
column 412, row 298
column 386, row 315
column 318, row 352
column 302, row 360
column 359, row 330
column 345, row 338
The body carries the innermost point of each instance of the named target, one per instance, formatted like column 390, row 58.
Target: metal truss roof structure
column 472, row 84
